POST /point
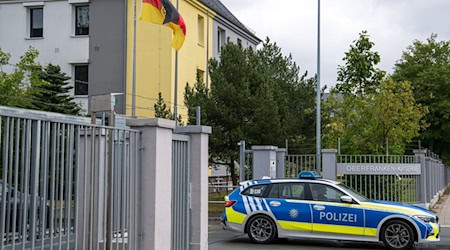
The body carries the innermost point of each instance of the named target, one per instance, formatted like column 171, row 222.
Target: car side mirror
column 346, row 199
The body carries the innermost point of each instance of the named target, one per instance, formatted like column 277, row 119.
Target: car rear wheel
column 398, row 235
column 261, row 229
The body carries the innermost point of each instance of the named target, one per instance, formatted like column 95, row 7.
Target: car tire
column 261, row 229
column 398, row 235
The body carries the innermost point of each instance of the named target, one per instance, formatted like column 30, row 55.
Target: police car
column 311, row 207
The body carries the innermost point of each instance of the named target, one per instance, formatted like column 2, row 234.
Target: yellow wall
column 155, row 60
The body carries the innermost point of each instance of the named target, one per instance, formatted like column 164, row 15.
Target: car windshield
column 358, row 196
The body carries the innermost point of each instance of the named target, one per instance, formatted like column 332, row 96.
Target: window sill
column 34, row 38
column 81, row 96
column 79, row 36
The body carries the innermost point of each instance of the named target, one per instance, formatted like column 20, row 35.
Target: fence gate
column 297, row 163
column 180, row 192
column 55, row 172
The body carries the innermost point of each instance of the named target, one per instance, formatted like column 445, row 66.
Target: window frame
column 264, row 193
column 31, row 30
column 75, row 19
column 75, row 83
column 201, row 30
column 327, row 186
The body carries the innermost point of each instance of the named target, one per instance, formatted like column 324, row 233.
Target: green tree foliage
column 49, row 91
column 161, row 110
column 427, row 66
column 370, row 114
column 256, row 96
column 359, row 74
column 13, row 83
column 368, row 124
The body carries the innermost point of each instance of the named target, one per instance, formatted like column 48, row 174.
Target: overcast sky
column 391, row 24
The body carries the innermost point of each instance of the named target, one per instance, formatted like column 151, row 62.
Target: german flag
column 164, row 13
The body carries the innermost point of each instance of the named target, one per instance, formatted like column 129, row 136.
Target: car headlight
column 426, row 218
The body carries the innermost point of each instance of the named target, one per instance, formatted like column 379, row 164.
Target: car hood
column 396, row 207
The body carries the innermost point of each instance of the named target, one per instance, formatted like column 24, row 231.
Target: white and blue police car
column 312, row 207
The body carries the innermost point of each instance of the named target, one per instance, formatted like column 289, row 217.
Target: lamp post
column 318, row 121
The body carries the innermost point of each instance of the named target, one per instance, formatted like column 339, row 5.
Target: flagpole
column 133, row 97
column 318, row 121
column 207, row 49
column 175, row 103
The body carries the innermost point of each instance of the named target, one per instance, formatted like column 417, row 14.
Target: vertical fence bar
column 61, row 185
column 16, row 180
column 44, row 192
column 4, row 177
column 77, row 185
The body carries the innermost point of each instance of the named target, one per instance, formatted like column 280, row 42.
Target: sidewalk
column 443, row 209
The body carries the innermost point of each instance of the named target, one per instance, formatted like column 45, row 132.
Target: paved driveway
column 225, row 240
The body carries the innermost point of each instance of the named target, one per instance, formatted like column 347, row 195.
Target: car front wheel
column 261, row 229
column 398, row 235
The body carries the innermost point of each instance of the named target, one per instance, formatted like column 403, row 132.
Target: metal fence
column 297, row 163
column 66, row 184
column 391, row 187
column 180, row 192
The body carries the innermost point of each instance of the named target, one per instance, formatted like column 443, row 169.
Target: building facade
column 59, row 30
column 93, row 42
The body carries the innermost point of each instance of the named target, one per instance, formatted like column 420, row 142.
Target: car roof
column 268, row 181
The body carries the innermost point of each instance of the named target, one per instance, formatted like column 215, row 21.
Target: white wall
column 58, row 45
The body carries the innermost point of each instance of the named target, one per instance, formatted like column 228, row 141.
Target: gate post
column 264, row 161
column 199, row 184
column 421, row 187
column 155, row 182
column 281, row 163
column 329, row 164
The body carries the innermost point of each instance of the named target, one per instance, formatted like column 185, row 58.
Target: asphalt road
column 220, row 239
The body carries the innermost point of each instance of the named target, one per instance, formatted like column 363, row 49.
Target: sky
column 392, row 25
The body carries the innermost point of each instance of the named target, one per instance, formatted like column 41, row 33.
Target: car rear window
column 257, row 190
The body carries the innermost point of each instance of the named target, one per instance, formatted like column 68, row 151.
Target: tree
column 359, row 75
column 50, row 92
column 13, row 84
column 427, row 66
column 382, row 121
column 256, row 96
column 161, row 110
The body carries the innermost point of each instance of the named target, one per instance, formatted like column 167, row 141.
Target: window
column 257, row 191
column 36, row 22
column 81, row 20
column 239, row 41
column 292, row 191
column 81, row 79
column 273, row 191
column 322, row 192
column 201, row 30
column 220, row 39
column 201, row 75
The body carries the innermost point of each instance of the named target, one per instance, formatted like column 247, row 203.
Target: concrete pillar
column 329, row 164
column 199, row 184
column 281, row 163
column 156, row 178
column 421, row 187
column 264, row 161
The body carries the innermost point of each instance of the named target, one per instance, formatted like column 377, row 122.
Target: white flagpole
column 133, row 97
column 175, row 102
column 318, row 121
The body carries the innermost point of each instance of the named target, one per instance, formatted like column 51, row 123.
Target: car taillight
column 229, row 203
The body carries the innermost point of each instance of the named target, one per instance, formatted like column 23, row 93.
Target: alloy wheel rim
column 261, row 229
column 397, row 235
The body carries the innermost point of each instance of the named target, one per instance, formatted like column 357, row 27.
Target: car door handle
column 319, row 207
column 275, row 203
